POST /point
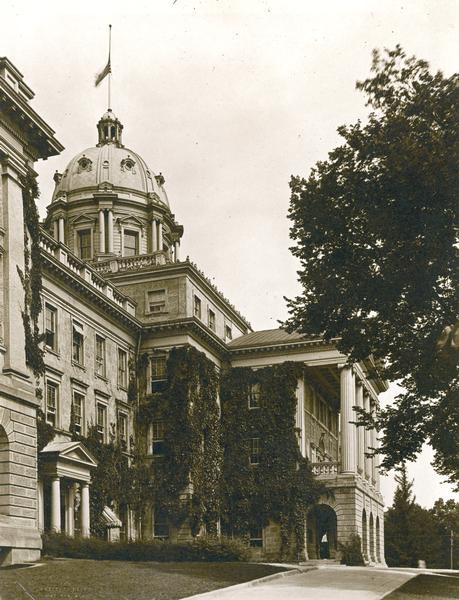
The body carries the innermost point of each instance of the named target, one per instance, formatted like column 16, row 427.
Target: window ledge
column 53, row 352
column 80, row 366
column 103, row 377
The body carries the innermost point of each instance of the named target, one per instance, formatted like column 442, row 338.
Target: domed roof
column 125, row 172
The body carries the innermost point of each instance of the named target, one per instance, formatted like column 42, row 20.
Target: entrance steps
column 321, row 562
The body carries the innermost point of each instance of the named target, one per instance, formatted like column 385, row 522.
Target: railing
column 122, row 264
column 325, row 468
column 87, row 272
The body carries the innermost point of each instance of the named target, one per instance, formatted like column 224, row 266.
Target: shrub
column 210, row 549
column 351, row 552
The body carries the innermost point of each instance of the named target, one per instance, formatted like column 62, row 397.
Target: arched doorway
column 321, row 532
column 364, row 535
column 4, row 466
column 378, row 541
column 372, row 538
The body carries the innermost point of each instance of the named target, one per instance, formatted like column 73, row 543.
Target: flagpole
column 109, row 62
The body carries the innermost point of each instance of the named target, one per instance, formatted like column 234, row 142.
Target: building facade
column 115, row 288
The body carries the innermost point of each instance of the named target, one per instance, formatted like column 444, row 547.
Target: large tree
column 375, row 228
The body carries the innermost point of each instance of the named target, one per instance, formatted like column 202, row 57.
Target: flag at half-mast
column 107, row 69
column 103, row 74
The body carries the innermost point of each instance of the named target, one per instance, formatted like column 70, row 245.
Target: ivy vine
column 281, row 487
column 31, row 277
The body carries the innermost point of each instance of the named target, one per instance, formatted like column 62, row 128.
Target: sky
column 227, row 99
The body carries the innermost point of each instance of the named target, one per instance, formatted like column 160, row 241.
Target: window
column 254, row 451
column 131, row 243
column 52, row 399
column 158, row 373
column 122, row 368
column 156, row 301
column 78, row 412
column 211, row 319
column 77, row 343
column 157, row 438
column 84, row 244
column 122, row 427
column 197, row 307
column 228, row 333
column 160, row 524
column 101, row 421
column 256, row 536
column 50, row 327
column 100, row 356
column 254, row 396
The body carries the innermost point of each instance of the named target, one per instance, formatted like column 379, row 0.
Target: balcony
column 124, row 264
column 325, row 468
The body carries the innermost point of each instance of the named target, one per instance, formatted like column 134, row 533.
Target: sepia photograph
column 229, row 301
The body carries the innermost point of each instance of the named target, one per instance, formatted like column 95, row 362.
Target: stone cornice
column 40, row 136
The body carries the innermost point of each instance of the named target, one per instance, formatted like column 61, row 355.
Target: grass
column 80, row 579
column 427, row 587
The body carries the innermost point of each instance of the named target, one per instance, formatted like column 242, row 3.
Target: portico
column 63, row 499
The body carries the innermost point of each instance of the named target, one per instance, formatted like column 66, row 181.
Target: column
column 154, row 236
column 110, row 231
column 348, row 463
column 41, row 507
column 56, row 504
column 367, row 443
column 373, row 445
column 101, row 232
column 70, row 510
column 85, row 509
column 55, row 230
column 360, row 430
column 61, row 230
column 177, row 251
column 160, row 236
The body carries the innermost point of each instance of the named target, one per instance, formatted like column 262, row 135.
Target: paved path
column 329, row 583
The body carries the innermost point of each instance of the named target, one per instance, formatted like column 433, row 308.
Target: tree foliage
column 413, row 533
column 374, row 229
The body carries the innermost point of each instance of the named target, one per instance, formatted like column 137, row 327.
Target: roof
column 267, row 337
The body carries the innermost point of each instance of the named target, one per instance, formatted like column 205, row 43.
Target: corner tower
column 108, row 204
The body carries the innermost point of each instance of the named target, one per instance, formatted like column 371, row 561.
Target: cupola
column 110, row 129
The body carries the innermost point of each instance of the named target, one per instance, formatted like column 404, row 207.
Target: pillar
column 154, row 236
column 70, row 510
column 367, row 443
column 374, row 460
column 41, row 507
column 160, row 236
column 110, row 231
column 55, row 230
column 177, row 251
column 61, row 230
column 85, row 525
column 348, row 455
column 101, row 232
column 56, row 504
column 360, row 431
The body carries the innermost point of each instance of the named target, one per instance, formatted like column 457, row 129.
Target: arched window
column 372, row 538
column 378, row 541
column 364, row 535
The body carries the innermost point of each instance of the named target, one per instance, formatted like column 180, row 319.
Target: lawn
column 77, row 579
column 427, row 587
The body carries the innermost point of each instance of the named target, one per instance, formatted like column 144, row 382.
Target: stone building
column 115, row 287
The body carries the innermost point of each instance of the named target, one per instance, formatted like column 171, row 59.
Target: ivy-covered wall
column 281, row 487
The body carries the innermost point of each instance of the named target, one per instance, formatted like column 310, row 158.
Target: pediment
column 71, row 452
column 83, row 219
column 105, row 186
column 131, row 220
column 80, row 454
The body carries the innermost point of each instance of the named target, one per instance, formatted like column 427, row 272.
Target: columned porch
column 63, row 490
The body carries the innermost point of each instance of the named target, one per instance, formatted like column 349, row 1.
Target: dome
column 122, row 169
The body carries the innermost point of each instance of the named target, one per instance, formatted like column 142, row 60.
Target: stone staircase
column 321, row 562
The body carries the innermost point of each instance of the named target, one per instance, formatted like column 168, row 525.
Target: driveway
column 328, row 583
